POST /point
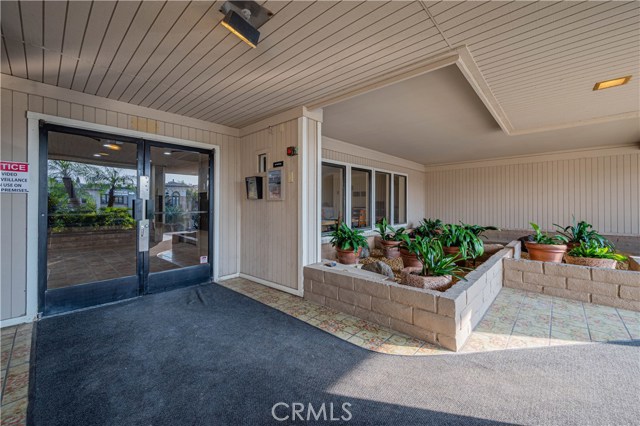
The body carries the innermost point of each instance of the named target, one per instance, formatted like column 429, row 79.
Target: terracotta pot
column 409, row 260
column 348, row 257
column 409, row 276
column 456, row 251
column 390, row 249
column 546, row 252
column 590, row 261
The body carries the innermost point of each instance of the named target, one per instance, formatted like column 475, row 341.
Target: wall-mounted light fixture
column 243, row 18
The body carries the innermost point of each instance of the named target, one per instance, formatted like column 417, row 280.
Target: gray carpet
column 208, row 356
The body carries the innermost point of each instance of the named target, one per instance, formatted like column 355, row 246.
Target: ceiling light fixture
column 611, row 83
column 112, row 146
column 243, row 18
column 167, row 153
column 97, row 155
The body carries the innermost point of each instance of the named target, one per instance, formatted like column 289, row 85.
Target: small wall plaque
column 278, row 164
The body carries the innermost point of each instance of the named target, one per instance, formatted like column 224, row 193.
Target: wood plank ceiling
column 540, row 59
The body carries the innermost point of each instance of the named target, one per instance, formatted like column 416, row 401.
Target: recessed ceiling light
column 97, row 155
column 167, row 153
column 611, row 83
column 112, row 146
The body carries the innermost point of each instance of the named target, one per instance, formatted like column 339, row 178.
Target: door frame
column 33, row 197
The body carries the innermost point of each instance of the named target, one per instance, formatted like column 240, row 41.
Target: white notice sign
column 14, row 177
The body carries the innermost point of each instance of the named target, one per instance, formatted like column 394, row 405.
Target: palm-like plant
column 477, row 229
column 544, row 238
column 470, row 245
column 429, row 228
column 346, row 238
column 582, row 232
column 434, row 261
column 67, row 172
column 110, row 178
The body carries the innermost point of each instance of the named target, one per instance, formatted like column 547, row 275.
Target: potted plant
column 581, row 232
column 429, row 228
column 389, row 239
column 546, row 248
column 409, row 259
column 479, row 232
column 436, row 268
column 457, row 239
column 592, row 254
column 348, row 243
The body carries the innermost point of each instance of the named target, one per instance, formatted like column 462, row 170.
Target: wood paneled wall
column 270, row 228
column 13, row 147
column 601, row 188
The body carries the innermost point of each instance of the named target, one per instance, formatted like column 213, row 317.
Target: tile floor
column 15, row 344
column 517, row 319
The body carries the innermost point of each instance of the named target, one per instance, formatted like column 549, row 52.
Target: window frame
column 368, row 231
column 345, row 172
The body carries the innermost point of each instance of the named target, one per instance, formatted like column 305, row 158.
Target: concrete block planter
column 604, row 286
column 442, row 317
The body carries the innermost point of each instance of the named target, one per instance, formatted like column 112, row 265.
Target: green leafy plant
column 388, row 232
column 544, row 238
column 582, row 232
column 385, row 230
column 429, row 228
column 478, row 230
column 471, row 246
column 346, row 238
column 434, row 261
column 399, row 233
column 594, row 250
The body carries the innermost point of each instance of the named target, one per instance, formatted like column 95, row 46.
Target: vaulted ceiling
column 539, row 59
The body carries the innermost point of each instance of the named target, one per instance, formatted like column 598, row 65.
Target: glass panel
column 400, row 199
column 360, row 198
column 332, row 197
column 91, row 233
column 383, row 196
column 178, row 209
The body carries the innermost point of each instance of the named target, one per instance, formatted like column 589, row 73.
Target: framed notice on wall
column 275, row 189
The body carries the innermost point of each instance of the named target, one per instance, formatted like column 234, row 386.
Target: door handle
column 143, row 238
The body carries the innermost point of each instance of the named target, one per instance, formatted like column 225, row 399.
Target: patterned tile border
column 517, row 319
column 15, row 344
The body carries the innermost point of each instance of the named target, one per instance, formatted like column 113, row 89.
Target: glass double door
column 120, row 217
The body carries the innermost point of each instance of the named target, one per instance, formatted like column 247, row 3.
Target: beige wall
column 333, row 149
column 279, row 237
column 599, row 186
column 18, row 97
column 270, row 228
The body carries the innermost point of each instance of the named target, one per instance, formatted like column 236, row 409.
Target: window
column 399, row 199
column 360, row 198
column 371, row 196
column 383, row 196
column 333, row 184
column 262, row 163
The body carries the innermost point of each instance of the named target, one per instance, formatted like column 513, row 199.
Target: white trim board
column 537, row 158
column 343, row 147
column 282, row 117
column 33, row 141
column 272, row 284
column 72, row 96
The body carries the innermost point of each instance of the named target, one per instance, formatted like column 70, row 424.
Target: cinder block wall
column 445, row 318
column 610, row 287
